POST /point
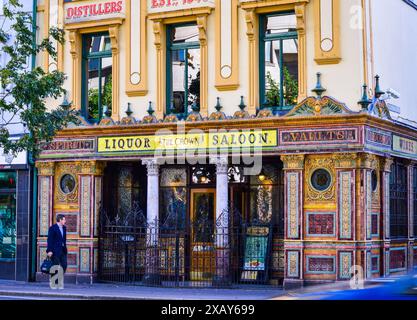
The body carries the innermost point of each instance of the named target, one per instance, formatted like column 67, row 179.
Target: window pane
column 7, row 226
column 106, row 82
column 93, row 88
column 178, row 82
column 99, row 86
column 281, row 24
column 290, row 69
column 100, row 43
column 272, row 73
column 184, row 34
column 193, row 77
column 7, row 180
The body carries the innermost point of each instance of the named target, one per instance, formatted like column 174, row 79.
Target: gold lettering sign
column 404, row 145
column 189, row 141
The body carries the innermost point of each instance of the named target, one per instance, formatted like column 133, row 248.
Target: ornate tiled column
column 222, row 277
column 367, row 163
column 345, row 165
column 293, row 198
column 46, row 171
column 152, row 276
column 90, row 197
column 385, row 186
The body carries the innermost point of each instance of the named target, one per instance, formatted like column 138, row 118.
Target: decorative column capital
column 367, row 161
column 45, row 168
column 293, row 161
column 152, row 166
column 222, row 164
column 157, row 31
column 386, row 164
column 300, row 15
column 73, row 43
column 202, row 28
column 114, row 33
column 93, row 167
column 250, row 24
column 345, row 160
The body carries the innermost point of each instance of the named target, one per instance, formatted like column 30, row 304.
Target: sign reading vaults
column 171, row 5
column 94, row 10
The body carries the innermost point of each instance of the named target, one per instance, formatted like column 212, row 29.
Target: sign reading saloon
column 171, row 5
column 94, row 10
column 190, row 141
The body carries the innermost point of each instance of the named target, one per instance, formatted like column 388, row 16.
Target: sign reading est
column 171, row 5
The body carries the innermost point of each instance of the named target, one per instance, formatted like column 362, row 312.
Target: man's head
column 60, row 219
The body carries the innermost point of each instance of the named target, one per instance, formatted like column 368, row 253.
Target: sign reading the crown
column 94, row 10
column 155, row 6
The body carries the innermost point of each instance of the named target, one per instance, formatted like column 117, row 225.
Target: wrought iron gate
column 201, row 253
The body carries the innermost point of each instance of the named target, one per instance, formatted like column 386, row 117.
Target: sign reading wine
column 171, row 5
column 94, row 10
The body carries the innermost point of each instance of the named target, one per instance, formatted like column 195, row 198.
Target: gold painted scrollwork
column 345, row 160
column 61, row 170
column 312, row 164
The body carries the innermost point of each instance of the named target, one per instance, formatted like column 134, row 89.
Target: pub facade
column 221, row 143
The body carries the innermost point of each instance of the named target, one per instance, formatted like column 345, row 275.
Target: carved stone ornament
column 93, row 167
column 345, row 160
column 45, row 168
column 152, row 165
column 368, row 161
column 313, row 106
column 293, row 161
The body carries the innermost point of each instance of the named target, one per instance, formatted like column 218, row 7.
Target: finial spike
column 319, row 89
column 129, row 111
column 378, row 91
column 150, row 110
column 364, row 102
column 242, row 105
column 218, row 106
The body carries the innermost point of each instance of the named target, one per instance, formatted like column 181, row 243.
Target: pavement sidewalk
column 125, row 292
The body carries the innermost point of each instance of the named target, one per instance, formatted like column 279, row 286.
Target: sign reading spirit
column 171, row 5
column 94, row 10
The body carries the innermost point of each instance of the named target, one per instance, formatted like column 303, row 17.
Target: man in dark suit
column 57, row 242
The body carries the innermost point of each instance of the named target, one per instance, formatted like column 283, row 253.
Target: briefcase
column 46, row 265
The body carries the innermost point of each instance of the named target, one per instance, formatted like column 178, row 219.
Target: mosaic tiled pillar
column 385, row 183
column 90, row 196
column 367, row 163
column 46, row 171
column 345, row 165
column 293, row 198
column 152, row 276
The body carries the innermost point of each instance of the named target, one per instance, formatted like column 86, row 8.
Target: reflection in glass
column 185, row 65
column 67, row 184
column 7, row 226
column 98, row 72
column 203, row 217
column 280, row 50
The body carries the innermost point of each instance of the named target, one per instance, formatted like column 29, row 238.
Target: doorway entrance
column 202, row 244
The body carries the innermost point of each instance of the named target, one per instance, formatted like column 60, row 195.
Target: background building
column 336, row 185
column 15, row 192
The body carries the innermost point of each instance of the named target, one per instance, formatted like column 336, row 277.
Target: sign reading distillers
column 94, row 10
column 171, row 5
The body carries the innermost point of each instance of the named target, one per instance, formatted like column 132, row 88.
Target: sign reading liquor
column 94, row 10
column 251, row 139
column 404, row 145
column 171, row 5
